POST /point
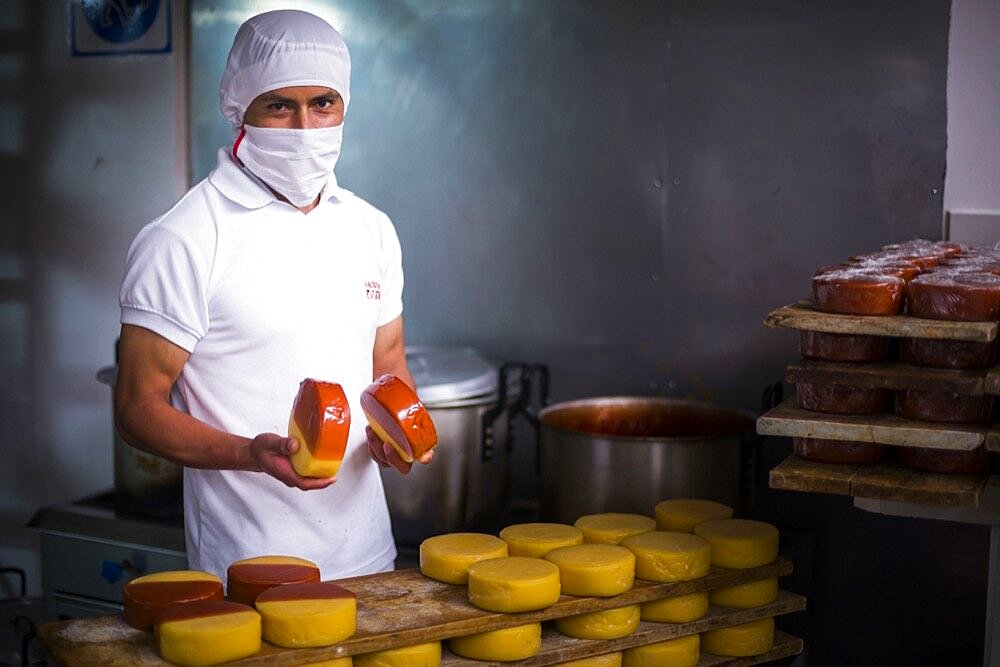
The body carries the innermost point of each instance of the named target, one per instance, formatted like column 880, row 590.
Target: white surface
column 973, row 154
column 973, row 227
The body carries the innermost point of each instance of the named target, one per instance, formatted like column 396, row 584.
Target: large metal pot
column 145, row 484
column 466, row 485
column 625, row 454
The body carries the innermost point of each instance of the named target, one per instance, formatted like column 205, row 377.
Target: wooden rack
column 403, row 608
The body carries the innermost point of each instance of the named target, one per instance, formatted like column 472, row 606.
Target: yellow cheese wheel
column 537, row 539
column 516, row 643
column 145, row 597
column 336, row 662
column 680, row 609
column 740, row 543
column 207, row 632
column 607, row 624
column 680, row 652
column 513, row 584
column 661, row 556
column 418, row 655
column 304, row 615
column 740, row 641
column 606, row 660
column 613, row 527
column 683, row 514
column 447, row 557
column 745, row 596
column 594, row 569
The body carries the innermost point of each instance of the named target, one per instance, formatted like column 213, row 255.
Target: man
column 262, row 275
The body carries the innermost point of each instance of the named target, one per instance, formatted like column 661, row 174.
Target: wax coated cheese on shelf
column 304, row 615
column 679, row 652
column 397, row 416
column 740, row 543
column 974, row 462
column 613, row 527
column 206, row 632
column 668, row 556
column 447, row 557
column 746, row 596
column 537, row 539
column 248, row 578
column 513, row 584
column 679, row 609
column 681, row 515
column 740, row 641
column 842, row 399
column 603, row 660
column 962, row 296
column 943, row 406
column 145, row 597
column 960, row 354
column 516, row 643
column 605, row 624
column 600, row 570
column 847, row 348
column 418, row 655
column 858, row 292
column 837, row 451
column 321, row 422
column 346, row 661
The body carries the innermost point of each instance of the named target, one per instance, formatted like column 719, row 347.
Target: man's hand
column 386, row 455
column 272, row 454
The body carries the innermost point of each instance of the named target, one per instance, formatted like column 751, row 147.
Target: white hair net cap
column 278, row 49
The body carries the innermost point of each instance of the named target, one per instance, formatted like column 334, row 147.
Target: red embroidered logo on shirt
column 373, row 289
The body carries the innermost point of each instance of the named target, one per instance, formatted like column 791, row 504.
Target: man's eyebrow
column 332, row 95
column 274, row 97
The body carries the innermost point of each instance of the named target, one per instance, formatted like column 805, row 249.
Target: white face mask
column 295, row 163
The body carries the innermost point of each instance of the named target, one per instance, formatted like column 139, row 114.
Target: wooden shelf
column 792, row 421
column 402, row 608
column 896, row 376
column 802, row 316
column 880, row 481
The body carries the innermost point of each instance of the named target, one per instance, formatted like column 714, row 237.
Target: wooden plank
column 394, row 609
column 791, row 421
column 892, row 482
column 993, row 439
column 802, row 316
column 558, row 648
column 882, row 481
column 798, row 474
column 889, row 376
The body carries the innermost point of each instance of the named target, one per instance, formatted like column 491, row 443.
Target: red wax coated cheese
column 398, row 417
column 145, row 597
column 945, row 295
column 321, row 422
column 858, row 292
column 248, row 578
column 842, row 399
column 942, row 406
column 934, row 353
column 837, row 451
column 843, row 347
column 943, row 460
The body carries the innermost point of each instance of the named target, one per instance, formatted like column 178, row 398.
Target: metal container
column 145, row 484
column 625, row 454
column 464, row 488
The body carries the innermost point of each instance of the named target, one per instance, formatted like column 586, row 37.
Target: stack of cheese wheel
column 681, row 515
column 600, row 570
column 448, row 557
column 612, row 527
column 397, row 416
column 513, row 584
column 669, row 556
column 418, row 655
column 680, row 652
column 248, row 578
column 320, row 422
column 207, row 632
column 741, row 544
column 145, row 597
column 307, row 615
column 537, row 539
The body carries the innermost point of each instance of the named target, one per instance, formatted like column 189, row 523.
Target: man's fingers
column 394, row 459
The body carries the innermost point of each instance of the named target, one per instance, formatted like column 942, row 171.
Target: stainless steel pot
column 145, row 484
column 625, row 454
column 467, row 483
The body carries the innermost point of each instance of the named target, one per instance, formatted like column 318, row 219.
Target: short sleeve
column 391, row 303
column 165, row 286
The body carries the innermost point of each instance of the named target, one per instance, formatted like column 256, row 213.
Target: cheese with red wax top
column 321, row 423
column 398, row 417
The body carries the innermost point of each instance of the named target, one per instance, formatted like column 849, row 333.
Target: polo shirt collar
column 237, row 184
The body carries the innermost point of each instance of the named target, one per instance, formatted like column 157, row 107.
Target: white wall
column 972, row 181
column 91, row 148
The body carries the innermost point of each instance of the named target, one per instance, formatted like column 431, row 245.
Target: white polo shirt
column 262, row 297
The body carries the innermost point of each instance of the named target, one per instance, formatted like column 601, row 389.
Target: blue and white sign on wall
column 116, row 27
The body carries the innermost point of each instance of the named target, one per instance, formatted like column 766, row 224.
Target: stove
column 90, row 550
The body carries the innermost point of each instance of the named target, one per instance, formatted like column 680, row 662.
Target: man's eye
column 277, row 106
